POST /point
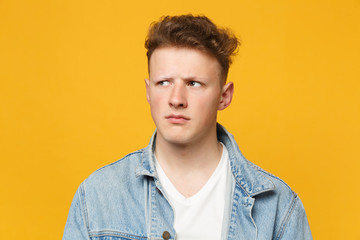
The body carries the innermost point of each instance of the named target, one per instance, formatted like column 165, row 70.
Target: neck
column 200, row 156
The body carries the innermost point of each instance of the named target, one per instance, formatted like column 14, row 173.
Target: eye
column 194, row 84
column 163, row 83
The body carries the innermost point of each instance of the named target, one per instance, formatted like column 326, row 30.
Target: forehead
column 183, row 61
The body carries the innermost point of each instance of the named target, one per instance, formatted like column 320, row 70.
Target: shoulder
column 269, row 190
column 286, row 208
column 113, row 184
column 276, row 190
column 109, row 197
column 280, row 186
column 281, row 203
column 116, row 173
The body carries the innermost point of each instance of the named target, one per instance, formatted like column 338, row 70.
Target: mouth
column 177, row 118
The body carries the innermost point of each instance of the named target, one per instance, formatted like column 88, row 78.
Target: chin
column 176, row 139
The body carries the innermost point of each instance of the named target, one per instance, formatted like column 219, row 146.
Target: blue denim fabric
column 124, row 200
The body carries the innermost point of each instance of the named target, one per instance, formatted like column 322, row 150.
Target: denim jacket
column 125, row 200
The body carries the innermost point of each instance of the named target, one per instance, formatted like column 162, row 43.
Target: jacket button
column 166, row 235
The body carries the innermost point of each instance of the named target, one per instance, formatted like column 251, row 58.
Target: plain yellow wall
column 73, row 99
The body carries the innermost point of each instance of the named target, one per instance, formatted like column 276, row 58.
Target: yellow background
column 73, row 99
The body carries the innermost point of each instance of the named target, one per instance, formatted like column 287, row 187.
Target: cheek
column 208, row 106
column 156, row 101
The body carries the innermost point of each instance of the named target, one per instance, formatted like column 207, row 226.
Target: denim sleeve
column 76, row 224
column 295, row 225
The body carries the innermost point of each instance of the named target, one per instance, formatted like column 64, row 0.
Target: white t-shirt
column 200, row 217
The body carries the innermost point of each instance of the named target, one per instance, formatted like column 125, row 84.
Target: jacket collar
column 248, row 176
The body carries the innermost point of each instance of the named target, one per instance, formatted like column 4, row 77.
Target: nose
column 178, row 96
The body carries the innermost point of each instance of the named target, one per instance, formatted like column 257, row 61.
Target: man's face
column 185, row 92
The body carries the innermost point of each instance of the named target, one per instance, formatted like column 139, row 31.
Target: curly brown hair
column 196, row 32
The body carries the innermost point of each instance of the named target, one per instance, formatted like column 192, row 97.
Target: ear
column 147, row 82
column 226, row 95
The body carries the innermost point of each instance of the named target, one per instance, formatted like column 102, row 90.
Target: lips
column 177, row 118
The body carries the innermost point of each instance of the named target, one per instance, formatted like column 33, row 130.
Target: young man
column 191, row 182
